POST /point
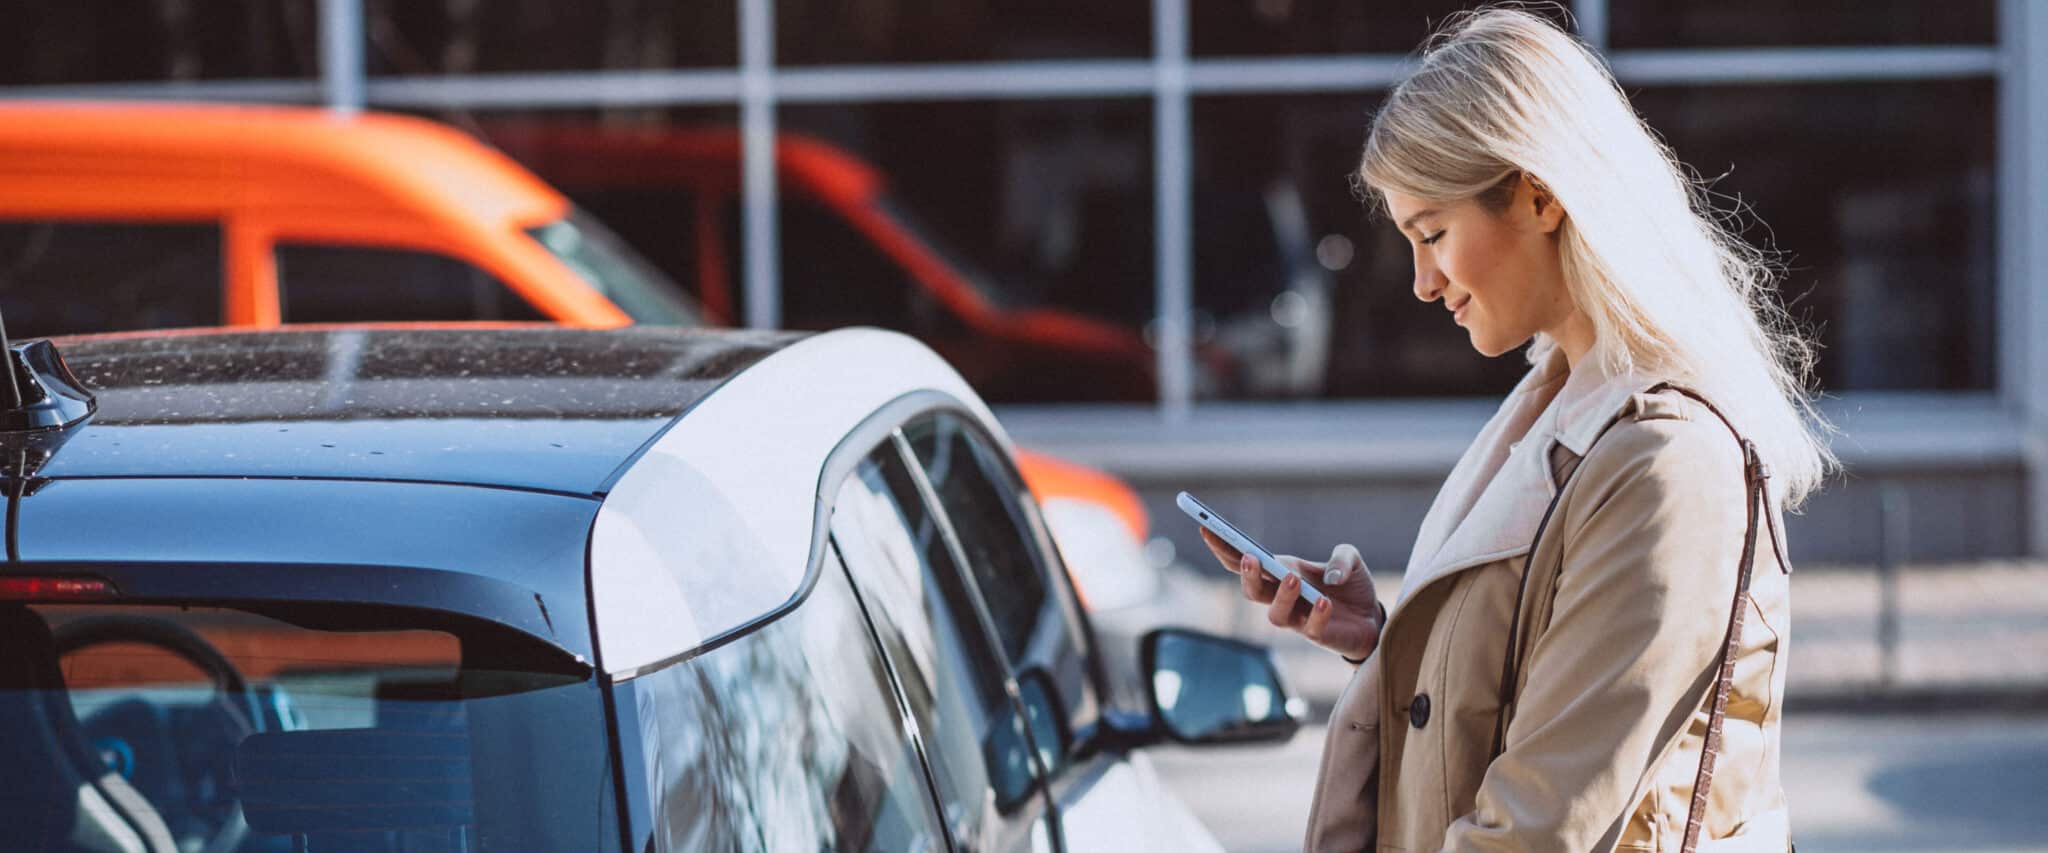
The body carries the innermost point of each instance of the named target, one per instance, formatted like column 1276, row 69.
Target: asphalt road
column 1970, row 782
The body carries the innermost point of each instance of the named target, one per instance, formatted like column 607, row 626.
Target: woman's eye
column 1431, row 239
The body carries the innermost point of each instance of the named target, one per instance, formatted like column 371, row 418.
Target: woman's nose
column 1429, row 283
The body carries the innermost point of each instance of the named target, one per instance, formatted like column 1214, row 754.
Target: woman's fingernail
column 1323, row 606
column 1334, row 576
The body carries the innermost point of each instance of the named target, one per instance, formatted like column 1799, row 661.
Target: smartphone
column 1222, row 527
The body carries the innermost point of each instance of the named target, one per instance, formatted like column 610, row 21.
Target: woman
column 1547, row 678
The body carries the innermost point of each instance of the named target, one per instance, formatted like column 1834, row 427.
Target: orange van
column 867, row 257
column 131, row 216
column 118, row 217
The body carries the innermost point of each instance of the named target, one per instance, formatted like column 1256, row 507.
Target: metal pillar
column 341, row 55
column 757, row 131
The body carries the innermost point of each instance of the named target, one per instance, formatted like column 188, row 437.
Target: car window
column 62, row 278
column 1017, row 577
column 605, row 262
column 356, row 284
column 303, row 727
column 948, row 669
column 789, row 738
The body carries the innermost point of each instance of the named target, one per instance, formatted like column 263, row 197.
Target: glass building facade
column 1165, row 187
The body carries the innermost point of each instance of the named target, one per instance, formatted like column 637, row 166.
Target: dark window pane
column 1878, row 195
column 951, row 677
column 788, row 739
column 1272, row 27
column 1298, row 292
column 351, row 284
column 662, row 179
column 120, row 41
column 407, row 37
column 498, row 755
column 1881, row 197
column 1021, row 585
column 62, row 278
column 1766, row 23
column 859, row 31
column 838, row 276
column 1025, row 229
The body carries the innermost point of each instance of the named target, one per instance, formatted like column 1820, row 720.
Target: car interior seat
column 62, row 798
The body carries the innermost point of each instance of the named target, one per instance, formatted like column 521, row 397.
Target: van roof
column 281, row 156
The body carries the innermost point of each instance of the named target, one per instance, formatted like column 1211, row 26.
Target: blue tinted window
column 787, row 739
column 949, row 670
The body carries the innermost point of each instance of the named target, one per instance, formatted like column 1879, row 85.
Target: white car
column 545, row 588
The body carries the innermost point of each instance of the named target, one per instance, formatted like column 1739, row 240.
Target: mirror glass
column 1210, row 688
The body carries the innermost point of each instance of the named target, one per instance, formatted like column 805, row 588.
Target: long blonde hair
column 1670, row 288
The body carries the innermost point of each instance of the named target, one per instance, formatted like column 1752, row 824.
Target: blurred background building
column 1132, row 222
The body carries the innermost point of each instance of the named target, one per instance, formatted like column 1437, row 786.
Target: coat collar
column 1493, row 500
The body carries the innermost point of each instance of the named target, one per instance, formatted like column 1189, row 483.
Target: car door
column 1104, row 800
column 788, row 736
column 950, row 673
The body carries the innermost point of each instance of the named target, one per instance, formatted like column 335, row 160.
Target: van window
column 358, row 284
column 63, row 278
column 785, row 739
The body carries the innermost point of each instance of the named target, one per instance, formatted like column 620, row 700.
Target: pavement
column 1964, row 636
column 1862, row 782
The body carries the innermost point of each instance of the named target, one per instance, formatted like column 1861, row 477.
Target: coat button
column 1418, row 710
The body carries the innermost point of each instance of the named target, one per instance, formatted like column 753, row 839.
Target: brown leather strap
column 1756, row 493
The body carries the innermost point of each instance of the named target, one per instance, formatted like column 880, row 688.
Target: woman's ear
column 1541, row 204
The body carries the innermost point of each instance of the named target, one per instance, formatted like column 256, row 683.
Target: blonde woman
column 1597, row 599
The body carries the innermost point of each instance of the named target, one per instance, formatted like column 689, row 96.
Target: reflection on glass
column 1225, row 28
column 1881, row 199
column 787, row 739
column 44, row 43
column 603, row 260
column 810, row 32
column 950, row 674
column 231, row 731
column 1021, row 249
column 1769, row 23
column 1208, row 688
column 413, row 38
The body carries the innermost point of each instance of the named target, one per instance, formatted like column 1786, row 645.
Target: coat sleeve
column 1637, row 622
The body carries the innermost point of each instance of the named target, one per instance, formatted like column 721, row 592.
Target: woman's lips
column 1458, row 313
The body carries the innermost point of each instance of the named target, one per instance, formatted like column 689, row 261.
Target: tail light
column 54, row 589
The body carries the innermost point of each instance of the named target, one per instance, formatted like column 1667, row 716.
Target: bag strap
column 1756, row 476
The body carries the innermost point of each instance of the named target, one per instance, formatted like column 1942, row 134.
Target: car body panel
column 730, row 493
column 506, row 556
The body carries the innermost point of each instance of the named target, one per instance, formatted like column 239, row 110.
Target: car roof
column 278, row 156
column 540, row 408
column 665, row 482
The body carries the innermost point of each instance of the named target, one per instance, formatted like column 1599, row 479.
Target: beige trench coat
column 1611, row 713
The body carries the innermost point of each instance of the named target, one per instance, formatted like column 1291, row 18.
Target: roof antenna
column 45, row 402
column 13, row 382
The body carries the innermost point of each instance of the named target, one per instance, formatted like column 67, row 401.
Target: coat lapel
column 1495, row 497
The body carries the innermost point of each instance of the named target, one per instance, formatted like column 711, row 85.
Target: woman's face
column 1498, row 272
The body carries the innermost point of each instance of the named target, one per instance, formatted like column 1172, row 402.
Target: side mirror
column 1206, row 689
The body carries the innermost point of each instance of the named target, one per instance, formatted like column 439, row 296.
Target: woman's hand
column 1348, row 619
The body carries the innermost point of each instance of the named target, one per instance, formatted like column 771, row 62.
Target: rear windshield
column 227, row 730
